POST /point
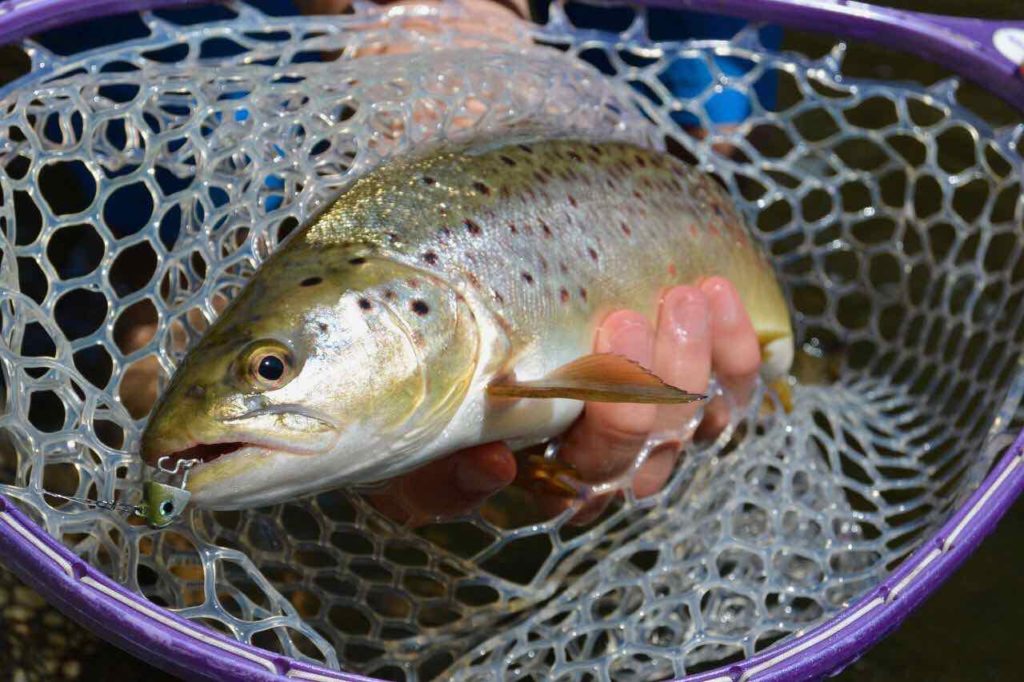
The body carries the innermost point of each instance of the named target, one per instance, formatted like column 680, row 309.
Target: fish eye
column 271, row 367
column 166, row 508
column 268, row 365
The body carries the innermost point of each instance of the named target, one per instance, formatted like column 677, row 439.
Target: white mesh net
column 891, row 212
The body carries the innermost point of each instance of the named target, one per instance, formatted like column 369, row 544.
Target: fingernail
column 473, row 479
column 627, row 336
column 688, row 312
column 725, row 302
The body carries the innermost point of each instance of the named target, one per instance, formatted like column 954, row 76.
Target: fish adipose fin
column 601, row 377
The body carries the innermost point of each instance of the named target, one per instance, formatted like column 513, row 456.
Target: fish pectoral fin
column 600, row 377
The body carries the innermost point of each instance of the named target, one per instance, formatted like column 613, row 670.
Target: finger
column 656, row 471
column 605, row 441
column 682, row 358
column 591, row 509
column 682, row 350
column 735, row 352
column 447, row 487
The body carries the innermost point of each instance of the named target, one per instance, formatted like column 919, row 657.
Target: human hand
column 699, row 330
column 478, row 21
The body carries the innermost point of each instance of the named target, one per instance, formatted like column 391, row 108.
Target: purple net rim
column 191, row 651
column 181, row 647
column 22, row 18
column 963, row 45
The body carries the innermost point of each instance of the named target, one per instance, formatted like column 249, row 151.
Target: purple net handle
column 990, row 53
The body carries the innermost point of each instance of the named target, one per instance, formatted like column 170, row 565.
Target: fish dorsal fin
column 601, row 377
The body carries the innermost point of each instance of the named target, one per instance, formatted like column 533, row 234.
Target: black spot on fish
column 636, row 193
column 583, row 293
column 526, row 148
column 358, row 260
column 389, row 294
column 365, row 304
column 593, row 253
column 718, row 210
column 311, row 281
column 429, row 181
column 482, row 188
column 640, row 161
column 322, row 327
column 527, row 277
column 575, row 157
column 471, row 225
column 512, row 227
column 430, row 257
column 507, row 160
column 497, row 296
column 572, row 201
column 547, row 230
column 420, row 307
column 563, row 293
column 626, row 230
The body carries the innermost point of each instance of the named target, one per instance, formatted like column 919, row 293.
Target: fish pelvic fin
column 599, row 377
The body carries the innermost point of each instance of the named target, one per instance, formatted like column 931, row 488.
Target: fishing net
column 144, row 181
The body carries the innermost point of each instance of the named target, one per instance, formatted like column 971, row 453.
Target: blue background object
column 684, row 78
column 689, row 77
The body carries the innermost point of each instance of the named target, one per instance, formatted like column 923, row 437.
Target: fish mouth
column 204, row 452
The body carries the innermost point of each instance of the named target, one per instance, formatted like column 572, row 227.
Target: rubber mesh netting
column 890, row 212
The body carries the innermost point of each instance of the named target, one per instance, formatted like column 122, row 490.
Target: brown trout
column 444, row 301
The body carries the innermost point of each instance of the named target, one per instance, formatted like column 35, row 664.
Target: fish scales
column 365, row 345
column 554, row 232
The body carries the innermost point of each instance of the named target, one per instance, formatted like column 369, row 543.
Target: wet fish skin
column 427, row 280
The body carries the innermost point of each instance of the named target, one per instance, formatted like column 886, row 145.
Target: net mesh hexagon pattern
column 143, row 182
